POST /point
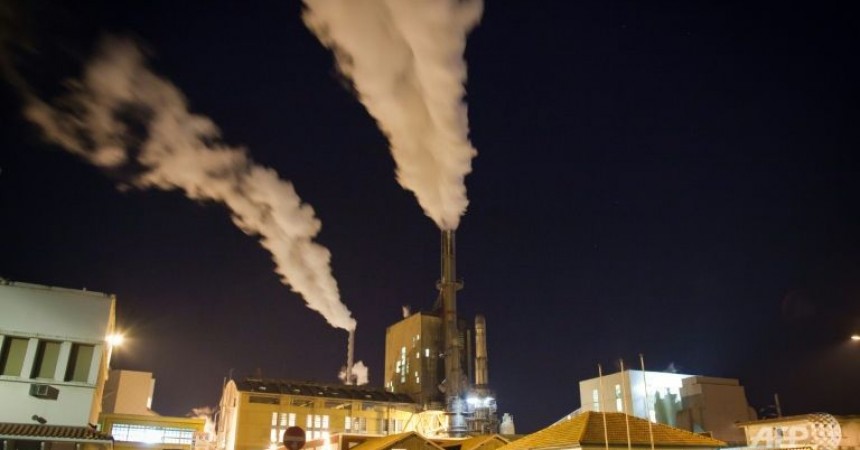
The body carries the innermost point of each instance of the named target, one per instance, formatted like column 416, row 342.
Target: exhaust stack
column 482, row 373
column 454, row 380
column 350, row 360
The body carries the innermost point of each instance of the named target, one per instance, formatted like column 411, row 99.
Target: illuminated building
column 414, row 360
column 127, row 415
column 53, row 353
column 439, row 361
column 151, row 432
column 254, row 413
column 625, row 392
column 695, row 403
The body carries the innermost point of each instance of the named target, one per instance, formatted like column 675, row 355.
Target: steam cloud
column 360, row 374
column 122, row 117
column 405, row 59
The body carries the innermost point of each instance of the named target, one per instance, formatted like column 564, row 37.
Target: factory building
column 695, row 403
column 626, row 392
column 714, row 405
column 441, row 362
column 254, row 413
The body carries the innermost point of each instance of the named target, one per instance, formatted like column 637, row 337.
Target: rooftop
column 26, row 431
column 312, row 389
column 587, row 429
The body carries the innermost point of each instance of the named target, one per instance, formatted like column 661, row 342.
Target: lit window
column 595, row 400
column 12, row 356
column 152, row 434
column 274, row 419
column 427, row 352
column 79, row 363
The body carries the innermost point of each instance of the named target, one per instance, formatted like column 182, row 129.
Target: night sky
column 678, row 179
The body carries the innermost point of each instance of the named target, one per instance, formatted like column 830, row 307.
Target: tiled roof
column 476, row 442
column 384, row 442
column 26, row 431
column 310, row 389
column 587, row 429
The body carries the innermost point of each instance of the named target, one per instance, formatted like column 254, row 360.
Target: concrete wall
column 69, row 317
column 129, row 392
column 714, row 405
column 413, row 365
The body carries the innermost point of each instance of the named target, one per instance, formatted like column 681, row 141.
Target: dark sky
column 673, row 178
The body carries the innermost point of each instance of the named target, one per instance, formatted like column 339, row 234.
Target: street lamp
column 114, row 342
column 855, row 337
column 115, row 339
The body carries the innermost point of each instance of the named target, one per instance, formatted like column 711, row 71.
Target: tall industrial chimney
column 482, row 373
column 454, row 379
column 350, row 359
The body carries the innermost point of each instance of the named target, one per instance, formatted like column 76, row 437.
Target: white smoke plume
column 405, row 59
column 122, row 117
column 360, row 374
column 207, row 413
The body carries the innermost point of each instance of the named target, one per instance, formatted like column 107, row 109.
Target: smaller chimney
column 481, row 370
column 350, row 351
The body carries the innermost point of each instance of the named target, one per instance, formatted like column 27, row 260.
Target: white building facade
column 53, row 353
column 626, row 392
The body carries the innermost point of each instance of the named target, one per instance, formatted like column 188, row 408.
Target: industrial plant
column 439, row 360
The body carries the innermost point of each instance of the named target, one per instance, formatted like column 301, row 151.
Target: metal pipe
column 482, row 374
column 448, row 287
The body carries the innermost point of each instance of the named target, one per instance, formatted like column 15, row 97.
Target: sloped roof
column 311, row 389
column 26, row 431
column 587, row 429
column 475, row 442
column 384, row 442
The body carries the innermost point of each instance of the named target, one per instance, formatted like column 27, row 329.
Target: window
column 595, row 400
column 47, row 354
column 264, row 399
column 619, row 402
column 12, row 356
column 151, row 434
column 316, row 425
column 280, row 422
column 79, row 363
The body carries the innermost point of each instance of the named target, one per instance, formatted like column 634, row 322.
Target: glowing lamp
column 115, row 339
